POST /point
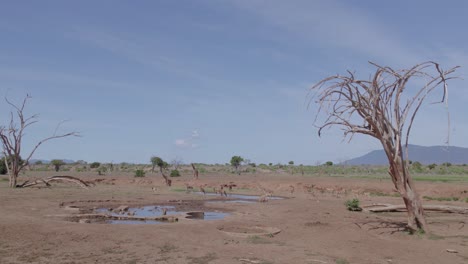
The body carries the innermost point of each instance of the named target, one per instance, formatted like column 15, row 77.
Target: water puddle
column 153, row 215
column 158, row 214
column 206, row 215
column 145, row 211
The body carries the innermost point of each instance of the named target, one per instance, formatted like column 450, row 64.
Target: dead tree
column 383, row 107
column 195, row 172
column 47, row 181
column 11, row 137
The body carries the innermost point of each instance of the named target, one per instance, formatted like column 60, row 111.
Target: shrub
column 329, row 163
column 102, row 170
column 175, row 173
column 353, row 205
column 57, row 164
column 139, row 173
column 95, row 165
column 3, row 168
column 417, row 166
column 431, row 166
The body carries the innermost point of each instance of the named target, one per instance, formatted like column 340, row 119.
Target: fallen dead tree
column 46, row 181
column 379, row 208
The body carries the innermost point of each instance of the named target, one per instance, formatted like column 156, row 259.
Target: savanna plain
column 63, row 222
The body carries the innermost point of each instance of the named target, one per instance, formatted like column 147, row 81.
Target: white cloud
column 195, row 134
column 333, row 23
column 181, row 143
column 190, row 141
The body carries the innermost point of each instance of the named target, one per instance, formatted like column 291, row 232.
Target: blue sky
column 205, row 80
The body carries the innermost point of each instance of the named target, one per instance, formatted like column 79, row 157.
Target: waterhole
column 154, row 214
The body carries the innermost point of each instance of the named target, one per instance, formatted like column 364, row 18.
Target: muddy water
column 151, row 211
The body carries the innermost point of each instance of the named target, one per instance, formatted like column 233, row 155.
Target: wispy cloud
column 333, row 23
column 189, row 142
column 30, row 74
column 144, row 52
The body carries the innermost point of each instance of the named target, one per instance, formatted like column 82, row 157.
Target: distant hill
column 425, row 155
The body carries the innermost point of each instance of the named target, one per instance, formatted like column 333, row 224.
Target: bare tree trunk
column 13, row 181
column 403, row 183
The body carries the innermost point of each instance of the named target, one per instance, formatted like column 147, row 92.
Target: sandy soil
column 315, row 225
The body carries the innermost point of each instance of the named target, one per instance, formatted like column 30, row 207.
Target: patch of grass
column 378, row 193
column 341, row 261
column 466, row 200
column 258, row 240
column 441, row 199
column 438, row 178
column 4, row 179
column 353, row 205
column 204, row 259
column 433, row 236
column 176, row 189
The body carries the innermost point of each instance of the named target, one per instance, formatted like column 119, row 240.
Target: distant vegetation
column 95, row 165
column 139, row 173
column 421, row 172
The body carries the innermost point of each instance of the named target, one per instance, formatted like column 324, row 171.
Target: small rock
column 84, row 221
column 452, row 251
column 122, row 208
column 72, row 208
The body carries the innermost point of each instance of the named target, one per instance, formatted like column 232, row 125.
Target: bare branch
column 380, row 107
column 11, row 139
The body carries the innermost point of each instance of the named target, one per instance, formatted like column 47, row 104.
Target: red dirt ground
column 315, row 225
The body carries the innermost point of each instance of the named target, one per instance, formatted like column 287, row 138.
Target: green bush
column 3, row 168
column 353, row 205
column 175, row 173
column 102, row 170
column 139, row 173
column 417, row 166
column 95, row 165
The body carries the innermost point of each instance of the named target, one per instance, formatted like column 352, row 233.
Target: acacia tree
column 154, row 161
column 11, row 137
column 236, row 162
column 57, row 164
column 383, row 107
column 157, row 161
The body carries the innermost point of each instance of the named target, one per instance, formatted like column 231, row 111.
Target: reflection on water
column 150, row 211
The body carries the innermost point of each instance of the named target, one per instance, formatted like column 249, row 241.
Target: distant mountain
column 425, row 155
